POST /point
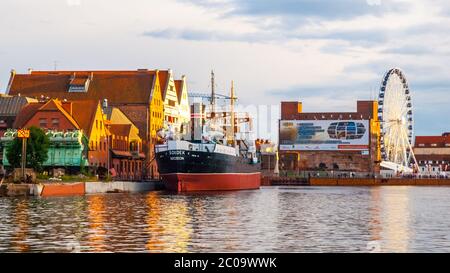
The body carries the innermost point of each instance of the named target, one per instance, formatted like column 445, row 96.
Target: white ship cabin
column 182, row 145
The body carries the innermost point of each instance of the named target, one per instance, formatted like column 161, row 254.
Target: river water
column 273, row 219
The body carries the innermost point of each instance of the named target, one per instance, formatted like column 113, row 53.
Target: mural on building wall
column 324, row 135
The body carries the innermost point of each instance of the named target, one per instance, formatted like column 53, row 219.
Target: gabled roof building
column 136, row 93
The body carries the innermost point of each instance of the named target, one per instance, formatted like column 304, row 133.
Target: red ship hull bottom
column 185, row 182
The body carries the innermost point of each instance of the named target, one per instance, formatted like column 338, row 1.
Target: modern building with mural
column 339, row 141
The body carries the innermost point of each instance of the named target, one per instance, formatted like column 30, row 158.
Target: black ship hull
column 184, row 171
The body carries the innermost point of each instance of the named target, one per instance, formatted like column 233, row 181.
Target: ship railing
column 161, row 148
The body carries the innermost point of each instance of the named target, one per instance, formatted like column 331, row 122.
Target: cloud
column 210, row 35
column 365, row 38
column 410, row 50
column 324, row 9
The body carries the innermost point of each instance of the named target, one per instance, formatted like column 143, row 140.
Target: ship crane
column 208, row 96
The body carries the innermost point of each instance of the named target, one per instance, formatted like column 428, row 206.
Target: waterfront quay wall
column 377, row 182
column 96, row 187
column 74, row 189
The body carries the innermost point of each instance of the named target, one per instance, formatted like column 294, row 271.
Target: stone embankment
column 322, row 181
column 74, row 189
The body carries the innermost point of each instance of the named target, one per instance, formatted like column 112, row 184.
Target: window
column 77, row 88
column 43, row 122
column 96, row 124
column 172, row 103
column 433, row 145
column 55, row 123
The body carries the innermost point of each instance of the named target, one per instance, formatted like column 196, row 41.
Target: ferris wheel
column 395, row 113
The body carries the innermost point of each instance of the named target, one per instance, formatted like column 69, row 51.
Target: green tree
column 37, row 150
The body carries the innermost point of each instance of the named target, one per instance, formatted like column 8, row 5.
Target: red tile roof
column 179, row 88
column 163, row 76
column 83, row 113
column 120, row 129
column 116, row 86
column 26, row 114
column 79, row 80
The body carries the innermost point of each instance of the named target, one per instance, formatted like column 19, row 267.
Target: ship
column 206, row 158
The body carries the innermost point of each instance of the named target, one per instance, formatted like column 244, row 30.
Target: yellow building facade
column 184, row 109
column 175, row 100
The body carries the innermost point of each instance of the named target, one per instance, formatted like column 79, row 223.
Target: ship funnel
column 197, row 121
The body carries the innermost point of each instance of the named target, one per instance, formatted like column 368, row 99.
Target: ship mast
column 232, row 116
column 213, row 95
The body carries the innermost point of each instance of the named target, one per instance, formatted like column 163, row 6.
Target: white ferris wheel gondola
column 395, row 113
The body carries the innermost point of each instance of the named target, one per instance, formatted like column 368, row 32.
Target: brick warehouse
column 136, row 93
column 433, row 153
column 327, row 141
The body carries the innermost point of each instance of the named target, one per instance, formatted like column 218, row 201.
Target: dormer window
column 80, row 83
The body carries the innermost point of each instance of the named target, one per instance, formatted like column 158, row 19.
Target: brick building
column 338, row 141
column 433, row 153
column 108, row 135
column 67, row 116
column 136, row 93
column 127, row 157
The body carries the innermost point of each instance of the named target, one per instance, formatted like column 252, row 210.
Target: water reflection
column 375, row 224
column 20, row 214
column 395, row 223
column 154, row 228
column 280, row 219
column 177, row 226
column 96, row 233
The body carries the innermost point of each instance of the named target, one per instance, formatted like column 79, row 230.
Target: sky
column 327, row 54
